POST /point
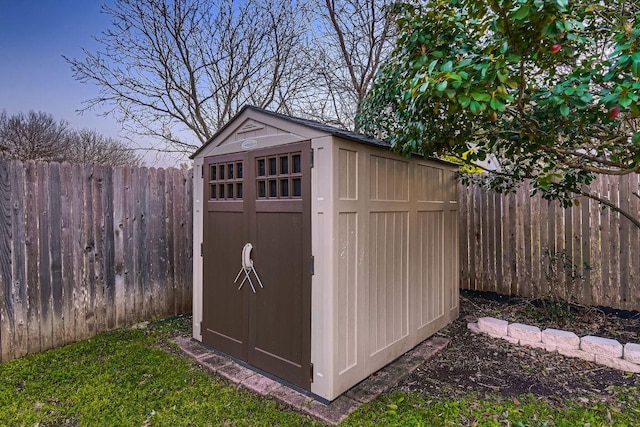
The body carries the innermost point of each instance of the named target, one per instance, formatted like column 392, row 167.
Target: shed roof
column 311, row 124
column 321, row 127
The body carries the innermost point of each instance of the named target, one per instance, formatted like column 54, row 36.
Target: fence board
column 31, row 243
column 471, row 237
column 119, row 221
column 634, row 238
column 625, row 232
column 584, row 253
column 55, row 249
column 18, row 261
column 186, row 235
column 170, row 300
column 134, row 295
column 595, row 250
column 79, row 290
column 613, row 296
column 66, row 241
column 78, row 244
column 6, row 310
column 44, row 270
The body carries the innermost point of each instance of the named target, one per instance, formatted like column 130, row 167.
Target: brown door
column 271, row 328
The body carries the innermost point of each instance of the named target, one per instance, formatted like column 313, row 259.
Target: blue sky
column 34, row 34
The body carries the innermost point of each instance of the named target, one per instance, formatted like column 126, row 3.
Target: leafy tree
column 38, row 136
column 549, row 90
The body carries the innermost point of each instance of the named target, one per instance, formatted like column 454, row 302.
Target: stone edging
column 602, row 351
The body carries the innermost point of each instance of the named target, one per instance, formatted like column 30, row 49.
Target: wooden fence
column 84, row 249
column 519, row 245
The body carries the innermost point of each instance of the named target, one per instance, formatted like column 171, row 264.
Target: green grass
column 124, row 378
column 527, row 411
column 131, row 378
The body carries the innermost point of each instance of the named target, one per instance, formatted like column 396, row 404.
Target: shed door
column 264, row 199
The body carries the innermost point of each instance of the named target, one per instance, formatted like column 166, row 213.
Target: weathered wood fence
column 518, row 245
column 84, row 249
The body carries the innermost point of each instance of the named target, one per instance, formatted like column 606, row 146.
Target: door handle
column 248, row 268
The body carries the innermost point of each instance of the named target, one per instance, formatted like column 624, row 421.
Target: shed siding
column 347, row 290
column 430, row 284
column 396, row 277
column 388, row 279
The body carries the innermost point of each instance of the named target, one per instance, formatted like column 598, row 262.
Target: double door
column 261, row 198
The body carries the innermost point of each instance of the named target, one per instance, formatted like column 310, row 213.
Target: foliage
column 548, row 90
column 38, row 136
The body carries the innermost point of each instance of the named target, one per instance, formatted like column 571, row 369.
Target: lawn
column 135, row 378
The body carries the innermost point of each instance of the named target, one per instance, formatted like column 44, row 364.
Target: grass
column 131, row 378
column 414, row 409
column 124, row 378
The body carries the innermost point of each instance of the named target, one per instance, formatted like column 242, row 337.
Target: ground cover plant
column 135, row 377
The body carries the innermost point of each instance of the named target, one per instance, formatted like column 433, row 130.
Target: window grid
column 279, row 176
column 225, row 181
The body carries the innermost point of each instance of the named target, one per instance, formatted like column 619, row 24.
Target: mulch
column 479, row 364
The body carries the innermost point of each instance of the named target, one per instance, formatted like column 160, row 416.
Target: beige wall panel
column 347, row 174
column 347, row 291
column 198, row 205
column 429, row 182
column 389, row 179
column 322, row 291
column 388, row 278
column 451, row 185
column 430, row 283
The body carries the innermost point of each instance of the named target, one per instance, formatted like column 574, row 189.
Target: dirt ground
column 480, row 364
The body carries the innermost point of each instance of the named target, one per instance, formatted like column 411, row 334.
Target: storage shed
column 324, row 256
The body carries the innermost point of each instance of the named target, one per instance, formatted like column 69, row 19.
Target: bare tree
column 33, row 136
column 179, row 69
column 38, row 136
column 89, row 146
column 353, row 37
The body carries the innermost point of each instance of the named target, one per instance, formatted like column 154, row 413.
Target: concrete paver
column 334, row 412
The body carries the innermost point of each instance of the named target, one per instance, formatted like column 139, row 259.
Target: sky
column 34, row 35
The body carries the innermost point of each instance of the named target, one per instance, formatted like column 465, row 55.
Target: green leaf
column 562, row 5
column 475, row 107
column 625, row 101
column 464, row 100
column 635, row 139
column 521, row 13
column 447, row 67
column 479, row 96
column 564, row 110
column 502, row 76
column 441, row 86
column 497, row 105
column 635, row 68
column 432, row 65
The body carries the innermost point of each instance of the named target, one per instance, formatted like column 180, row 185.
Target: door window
column 225, row 181
column 279, row 176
